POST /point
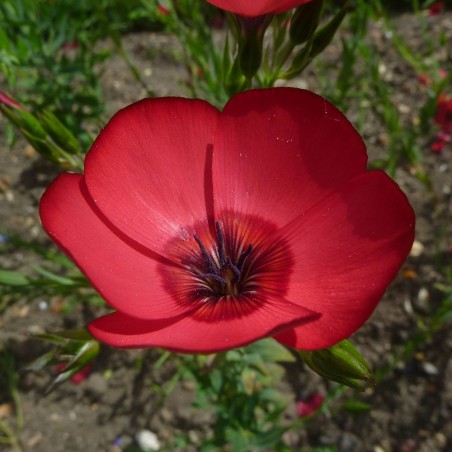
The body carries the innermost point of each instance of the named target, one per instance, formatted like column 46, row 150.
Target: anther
column 215, row 277
column 235, row 270
column 243, row 256
column 213, row 269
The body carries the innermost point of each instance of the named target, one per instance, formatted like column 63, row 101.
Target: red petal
column 145, row 171
column 279, row 151
column 347, row 248
column 128, row 279
column 214, row 327
column 256, row 7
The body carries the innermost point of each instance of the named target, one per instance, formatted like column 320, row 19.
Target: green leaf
column 10, row 278
column 270, row 438
column 270, row 350
column 356, row 406
column 56, row 278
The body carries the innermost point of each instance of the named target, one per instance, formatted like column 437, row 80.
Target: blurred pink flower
column 306, row 407
column 6, row 100
column 79, row 376
column 426, row 80
column 443, row 116
column 163, row 9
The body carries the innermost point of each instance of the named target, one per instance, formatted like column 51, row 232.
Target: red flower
column 208, row 230
column 78, row 377
column 163, row 9
column 435, row 8
column 443, row 116
column 306, row 407
column 257, row 7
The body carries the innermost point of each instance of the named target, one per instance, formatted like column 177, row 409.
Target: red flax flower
column 435, row 8
column 207, row 230
column 255, row 8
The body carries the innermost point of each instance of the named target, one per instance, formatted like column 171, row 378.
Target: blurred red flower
column 443, row 116
column 435, row 8
column 208, row 230
column 78, row 377
column 6, row 100
column 257, row 7
column 307, row 406
column 162, row 9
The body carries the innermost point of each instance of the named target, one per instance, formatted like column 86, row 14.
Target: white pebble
column 429, row 368
column 147, row 440
column 417, row 249
column 423, row 296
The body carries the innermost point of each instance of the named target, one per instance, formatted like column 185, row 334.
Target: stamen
column 243, row 256
column 235, row 270
column 215, row 277
column 213, row 269
column 225, row 271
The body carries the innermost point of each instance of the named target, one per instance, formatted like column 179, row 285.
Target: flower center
column 241, row 257
column 226, row 275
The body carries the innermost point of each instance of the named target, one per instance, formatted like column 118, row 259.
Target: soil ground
column 411, row 407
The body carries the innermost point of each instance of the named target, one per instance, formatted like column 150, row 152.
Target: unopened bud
column 59, row 132
column 305, row 21
column 325, row 35
column 25, row 121
column 341, row 363
column 249, row 32
column 7, row 101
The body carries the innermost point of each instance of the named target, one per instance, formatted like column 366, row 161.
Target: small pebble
column 408, row 306
column 429, row 368
column 423, row 296
column 147, row 440
column 43, row 305
column 417, row 249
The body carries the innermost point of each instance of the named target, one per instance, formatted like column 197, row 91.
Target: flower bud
column 249, row 33
column 341, row 363
column 75, row 348
column 325, row 35
column 305, row 21
column 7, row 101
column 59, row 132
column 26, row 122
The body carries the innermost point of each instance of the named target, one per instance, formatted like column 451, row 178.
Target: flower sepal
column 73, row 351
column 44, row 132
column 341, row 363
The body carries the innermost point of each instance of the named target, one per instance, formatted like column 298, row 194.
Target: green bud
column 325, row 35
column 25, row 121
column 43, row 146
column 59, row 132
column 250, row 54
column 76, row 348
column 341, row 363
column 249, row 32
column 28, row 123
column 305, row 21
